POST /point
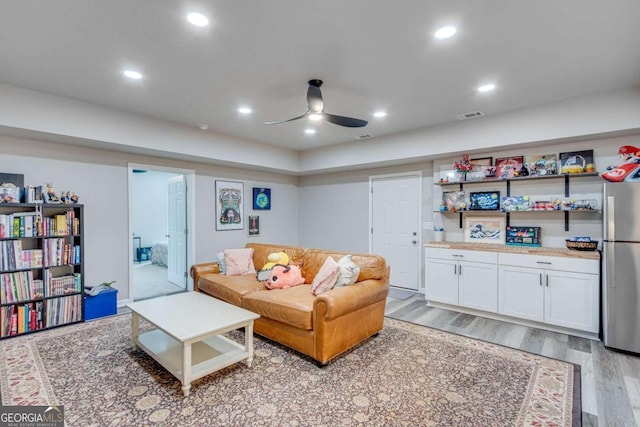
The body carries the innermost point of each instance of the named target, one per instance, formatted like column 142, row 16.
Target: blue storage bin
column 101, row 305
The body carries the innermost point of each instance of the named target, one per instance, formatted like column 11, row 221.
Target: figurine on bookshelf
column 9, row 193
column 50, row 195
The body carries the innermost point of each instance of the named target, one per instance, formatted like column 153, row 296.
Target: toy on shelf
column 628, row 171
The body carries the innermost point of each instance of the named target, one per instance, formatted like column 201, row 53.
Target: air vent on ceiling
column 470, row 115
column 366, row 136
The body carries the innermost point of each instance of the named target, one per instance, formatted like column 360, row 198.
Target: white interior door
column 176, row 251
column 395, row 223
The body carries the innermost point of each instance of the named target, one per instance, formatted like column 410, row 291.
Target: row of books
column 63, row 310
column 20, row 224
column 20, row 286
column 59, row 252
column 31, row 224
column 13, row 257
column 18, row 319
column 61, row 285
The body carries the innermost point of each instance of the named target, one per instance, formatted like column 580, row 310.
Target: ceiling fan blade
column 288, row 120
column 345, row 121
column 314, row 99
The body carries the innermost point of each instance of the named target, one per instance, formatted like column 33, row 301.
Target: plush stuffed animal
column 276, row 258
column 284, row 276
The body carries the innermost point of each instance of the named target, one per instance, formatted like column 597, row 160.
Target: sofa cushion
column 371, row 266
column 229, row 288
column 326, row 277
column 239, row 261
column 349, row 271
column 293, row 306
column 262, row 250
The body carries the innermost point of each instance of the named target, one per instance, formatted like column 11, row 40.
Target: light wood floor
column 610, row 379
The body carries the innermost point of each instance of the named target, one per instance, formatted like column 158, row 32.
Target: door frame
column 189, row 177
column 413, row 174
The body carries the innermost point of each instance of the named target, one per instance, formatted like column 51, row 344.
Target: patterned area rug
column 407, row 375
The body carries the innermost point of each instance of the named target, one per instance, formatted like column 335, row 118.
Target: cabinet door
column 520, row 292
column 572, row 300
column 478, row 286
column 441, row 277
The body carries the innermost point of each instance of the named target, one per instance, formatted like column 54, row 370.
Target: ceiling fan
column 315, row 110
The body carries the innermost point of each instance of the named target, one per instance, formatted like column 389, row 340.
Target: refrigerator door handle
column 609, row 270
column 608, row 219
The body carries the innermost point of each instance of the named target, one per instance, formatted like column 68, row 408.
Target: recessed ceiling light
column 380, row 114
column 203, row 126
column 486, row 88
column 315, row 117
column 309, row 131
column 244, row 110
column 132, row 74
column 445, row 32
column 198, row 19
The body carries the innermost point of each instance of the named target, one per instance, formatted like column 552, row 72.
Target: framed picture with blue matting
column 261, row 199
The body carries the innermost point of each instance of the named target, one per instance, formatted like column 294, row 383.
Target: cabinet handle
column 547, row 280
column 543, row 262
column 455, row 269
column 458, row 256
column 540, row 279
column 460, row 270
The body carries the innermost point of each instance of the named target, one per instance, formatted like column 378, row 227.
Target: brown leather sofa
column 320, row 326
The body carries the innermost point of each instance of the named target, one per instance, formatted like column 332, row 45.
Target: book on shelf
column 20, row 318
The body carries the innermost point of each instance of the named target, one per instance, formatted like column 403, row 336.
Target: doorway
column 395, row 212
column 159, row 219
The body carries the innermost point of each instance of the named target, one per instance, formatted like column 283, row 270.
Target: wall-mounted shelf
column 566, row 177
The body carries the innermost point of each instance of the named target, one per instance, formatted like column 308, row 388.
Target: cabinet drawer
column 461, row 255
column 579, row 265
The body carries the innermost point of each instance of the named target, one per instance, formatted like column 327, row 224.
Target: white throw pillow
column 349, row 271
column 326, row 277
column 220, row 261
column 239, row 261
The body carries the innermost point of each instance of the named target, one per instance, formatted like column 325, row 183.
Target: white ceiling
column 371, row 54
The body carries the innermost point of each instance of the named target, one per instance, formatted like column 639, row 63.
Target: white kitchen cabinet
column 462, row 277
column 555, row 290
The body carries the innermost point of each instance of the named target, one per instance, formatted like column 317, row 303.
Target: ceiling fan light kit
column 315, row 110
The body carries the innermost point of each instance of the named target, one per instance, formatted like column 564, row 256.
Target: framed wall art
column 261, row 199
column 229, row 205
column 253, row 225
column 484, row 201
column 508, row 167
column 482, row 161
column 484, row 229
column 577, row 162
column 541, row 165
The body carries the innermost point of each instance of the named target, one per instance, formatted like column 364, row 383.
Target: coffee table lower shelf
column 207, row 356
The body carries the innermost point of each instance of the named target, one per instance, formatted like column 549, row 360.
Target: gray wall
column 100, row 177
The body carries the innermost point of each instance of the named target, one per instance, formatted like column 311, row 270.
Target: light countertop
column 560, row 252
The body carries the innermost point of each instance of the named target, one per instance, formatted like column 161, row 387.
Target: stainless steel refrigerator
column 621, row 266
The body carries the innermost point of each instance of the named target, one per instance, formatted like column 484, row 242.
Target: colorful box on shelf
column 103, row 304
column 516, row 203
column 523, row 236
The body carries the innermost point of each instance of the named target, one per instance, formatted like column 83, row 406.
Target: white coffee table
column 188, row 341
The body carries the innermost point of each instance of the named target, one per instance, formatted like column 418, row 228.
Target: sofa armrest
column 350, row 298
column 198, row 270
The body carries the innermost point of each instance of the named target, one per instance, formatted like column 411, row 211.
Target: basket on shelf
column 582, row 246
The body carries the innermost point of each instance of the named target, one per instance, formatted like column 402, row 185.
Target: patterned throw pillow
column 220, row 261
column 326, row 277
column 239, row 261
column 349, row 271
